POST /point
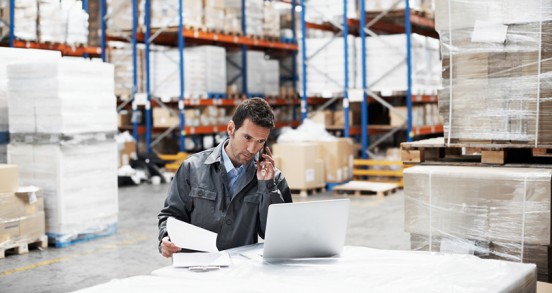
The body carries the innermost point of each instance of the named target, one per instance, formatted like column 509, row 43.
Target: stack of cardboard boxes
column 497, row 92
column 309, row 165
column 21, row 212
column 496, row 71
column 194, row 117
column 500, row 213
column 25, row 17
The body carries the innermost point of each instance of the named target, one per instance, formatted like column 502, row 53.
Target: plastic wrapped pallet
column 50, row 21
column 120, row 55
column 62, row 22
column 328, row 10
column 497, row 80
column 76, row 22
column 322, row 10
column 272, row 77
column 492, row 212
column 164, row 13
column 10, row 55
column 253, row 13
column 203, row 74
column 71, row 95
column 255, row 71
column 25, row 13
column 326, row 70
column 119, row 17
column 386, row 64
column 214, row 15
column 79, row 182
column 271, row 20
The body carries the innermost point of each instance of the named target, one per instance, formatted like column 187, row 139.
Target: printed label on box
column 309, row 175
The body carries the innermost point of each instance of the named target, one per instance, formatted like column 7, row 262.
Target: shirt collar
column 226, row 159
column 228, row 165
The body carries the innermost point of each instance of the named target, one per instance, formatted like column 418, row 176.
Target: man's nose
column 251, row 147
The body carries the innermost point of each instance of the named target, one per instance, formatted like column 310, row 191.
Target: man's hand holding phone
column 265, row 164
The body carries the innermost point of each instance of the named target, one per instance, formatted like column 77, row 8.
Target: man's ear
column 231, row 128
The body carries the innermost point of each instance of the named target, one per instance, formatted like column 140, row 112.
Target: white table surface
column 359, row 269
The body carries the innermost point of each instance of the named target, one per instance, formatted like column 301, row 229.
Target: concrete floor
column 373, row 222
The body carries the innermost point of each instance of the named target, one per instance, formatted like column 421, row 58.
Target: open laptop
column 311, row 229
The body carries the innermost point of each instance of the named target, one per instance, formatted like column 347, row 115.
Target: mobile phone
column 260, row 153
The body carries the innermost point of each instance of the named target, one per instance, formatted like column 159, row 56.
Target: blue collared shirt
column 234, row 174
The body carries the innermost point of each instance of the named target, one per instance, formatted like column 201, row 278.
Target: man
column 226, row 189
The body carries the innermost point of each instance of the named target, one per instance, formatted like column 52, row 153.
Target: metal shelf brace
column 408, row 32
column 364, row 110
column 346, row 77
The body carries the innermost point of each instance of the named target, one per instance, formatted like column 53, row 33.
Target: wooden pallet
column 358, row 188
column 383, row 171
column 436, row 150
column 23, row 247
column 307, row 191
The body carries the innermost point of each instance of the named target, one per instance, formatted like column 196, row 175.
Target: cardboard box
column 127, row 152
column 338, row 159
column 325, row 117
column 164, row 118
column 9, row 178
column 396, row 120
column 499, row 204
column 299, row 162
column 21, row 204
column 124, row 118
column 339, row 118
column 21, row 230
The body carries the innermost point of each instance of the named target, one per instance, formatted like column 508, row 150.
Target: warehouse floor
column 373, row 222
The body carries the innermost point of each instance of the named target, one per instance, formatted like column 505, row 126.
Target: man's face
column 245, row 142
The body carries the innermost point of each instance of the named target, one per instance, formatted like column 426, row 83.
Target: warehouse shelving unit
column 66, row 50
column 372, row 26
column 181, row 36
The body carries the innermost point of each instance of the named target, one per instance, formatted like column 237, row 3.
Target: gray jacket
column 199, row 195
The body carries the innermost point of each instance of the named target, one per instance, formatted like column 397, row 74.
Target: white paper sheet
column 201, row 259
column 188, row 236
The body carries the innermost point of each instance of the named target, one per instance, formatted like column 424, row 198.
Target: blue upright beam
column 85, row 8
column 135, row 111
column 346, row 84
column 147, row 53
column 294, row 54
column 364, row 110
column 12, row 22
column 303, row 62
column 103, row 38
column 408, row 31
column 244, row 51
column 182, row 85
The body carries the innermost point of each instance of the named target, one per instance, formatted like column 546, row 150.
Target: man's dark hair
column 257, row 110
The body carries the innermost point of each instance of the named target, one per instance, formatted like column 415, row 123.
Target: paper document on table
column 188, row 236
column 201, row 259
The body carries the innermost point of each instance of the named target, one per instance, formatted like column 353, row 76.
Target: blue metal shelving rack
column 365, row 87
column 148, row 39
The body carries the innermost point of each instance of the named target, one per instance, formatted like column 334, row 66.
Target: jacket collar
column 216, row 155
